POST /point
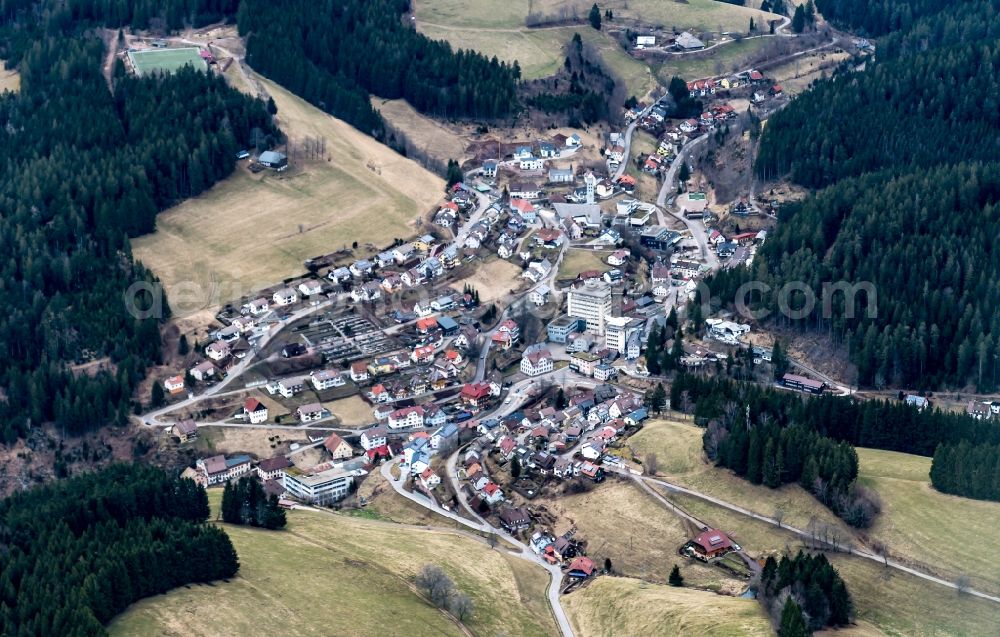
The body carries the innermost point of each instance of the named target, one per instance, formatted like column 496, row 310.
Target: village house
column 310, row 412
column 185, row 430
column 373, row 437
column 537, row 360
column 285, row 296
column 326, row 379
column 429, row 480
column 407, row 417
column 259, row 306
column 339, row 448
column 524, row 190
column 203, row 370
column 310, row 288
column 359, row 371
column 288, row 387
column 254, row 410
column 174, row 384
column 515, row 519
column 272, row 468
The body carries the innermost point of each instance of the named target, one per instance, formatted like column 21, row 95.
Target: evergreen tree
column 515, row 468
column 595, row 17
column 792, row 622
column 182, row 345
column 676, row 579
column 454, row 173
column 799, row 19
column 157, row 397
column 779, row 360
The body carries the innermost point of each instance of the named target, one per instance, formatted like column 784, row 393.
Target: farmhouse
column 711, row 543
column 273, row 160
column 220, row 468
column 581, row 567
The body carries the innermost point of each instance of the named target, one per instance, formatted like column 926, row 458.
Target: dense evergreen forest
column 905, row 154
column 79, row 551
column 968, row 470
column 74, row 187
column 796, row 438
column 335, row 53
column 804, row 593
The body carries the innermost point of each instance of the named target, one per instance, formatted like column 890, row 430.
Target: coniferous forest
column 336, row 53
column 79, row 551
column 89, row 166
column 905, row 154
column 968, row 470
column 73, row 189
column 804, row 591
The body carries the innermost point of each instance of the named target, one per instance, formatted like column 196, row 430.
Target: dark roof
column 186, row 427
column 275, row 463
column 515, row 517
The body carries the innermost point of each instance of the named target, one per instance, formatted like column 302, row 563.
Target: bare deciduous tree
column 461, row 606
column 436, row 584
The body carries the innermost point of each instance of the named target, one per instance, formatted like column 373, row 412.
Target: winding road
column 555, row 585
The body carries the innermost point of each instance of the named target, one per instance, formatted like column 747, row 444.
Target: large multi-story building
column 591, row 302
column 618, row 330
column 325, row 487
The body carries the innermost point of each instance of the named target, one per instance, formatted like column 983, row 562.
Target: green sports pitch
column 166, row 60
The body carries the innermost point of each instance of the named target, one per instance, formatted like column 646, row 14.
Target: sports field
column 340, row 575
column 166, row 60
column 252, row 231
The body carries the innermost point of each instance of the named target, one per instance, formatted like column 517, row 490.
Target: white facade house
column 255, row 411
column 310, row 412
column 285, row 296
column 407, row 417
column 540, row 295
column 537, row 360
column 326, row 379
column 310, row 288
column 619, row 330
column 288, row 387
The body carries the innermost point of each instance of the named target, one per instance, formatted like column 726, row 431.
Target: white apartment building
column 591, row 302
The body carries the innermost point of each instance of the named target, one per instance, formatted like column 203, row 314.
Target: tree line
column 73, row 190
column 804, row 593
column 775, row 437
column 967, row 469
column 79, row 551
column 245, row 502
